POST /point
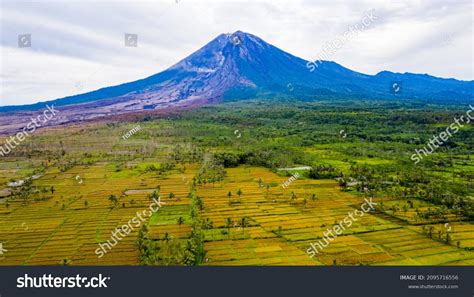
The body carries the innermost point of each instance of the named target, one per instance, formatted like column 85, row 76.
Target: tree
column 171, row 195
column 239, row 192
column 154, row 195
column 166, row 237
column 313, row 197
column 180, row 221
column 199, row 203
column 113, row 199
column 228, row 223
column 52, row 189
column 293, row 196
column 244, row 223
column 207, row 224
column 229, row 195
column 86, row 203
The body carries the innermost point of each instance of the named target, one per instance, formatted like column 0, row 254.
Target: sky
column 79, row 46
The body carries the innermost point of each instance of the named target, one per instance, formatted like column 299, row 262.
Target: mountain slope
column 232, row 65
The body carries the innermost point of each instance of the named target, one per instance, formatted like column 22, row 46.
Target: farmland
column 218, row 172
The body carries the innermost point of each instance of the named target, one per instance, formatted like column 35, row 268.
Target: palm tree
column 228, row 223
column 180, row 221
column 229, row 195
column 113, row 199
column 199, row 203
column 166, row 237
column 207, row 224
column 239, row 192
column 244, row 223
column 154, row 195
column 313, row 197
column 293, row 196
column 52, row 190
column 171, row 195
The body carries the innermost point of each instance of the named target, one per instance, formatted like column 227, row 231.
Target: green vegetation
column 224, row 203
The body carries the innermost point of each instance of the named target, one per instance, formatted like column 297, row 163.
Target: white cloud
column 78, row 46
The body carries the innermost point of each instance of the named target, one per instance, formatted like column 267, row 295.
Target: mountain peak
column 239, row 65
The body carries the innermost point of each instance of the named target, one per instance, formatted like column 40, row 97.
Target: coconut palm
column 207, row 224
column 180, row 221
column 113, row 199
column 228, row 223
column 244, row 223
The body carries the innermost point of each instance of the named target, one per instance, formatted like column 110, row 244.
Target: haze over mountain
column 241, row 65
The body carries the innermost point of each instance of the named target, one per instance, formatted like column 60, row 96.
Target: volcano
column 241, row 65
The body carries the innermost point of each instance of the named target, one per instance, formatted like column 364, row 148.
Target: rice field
column 252, row 218
column 281, row 229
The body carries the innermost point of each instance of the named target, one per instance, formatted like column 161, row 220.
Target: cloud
column 78, row 46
